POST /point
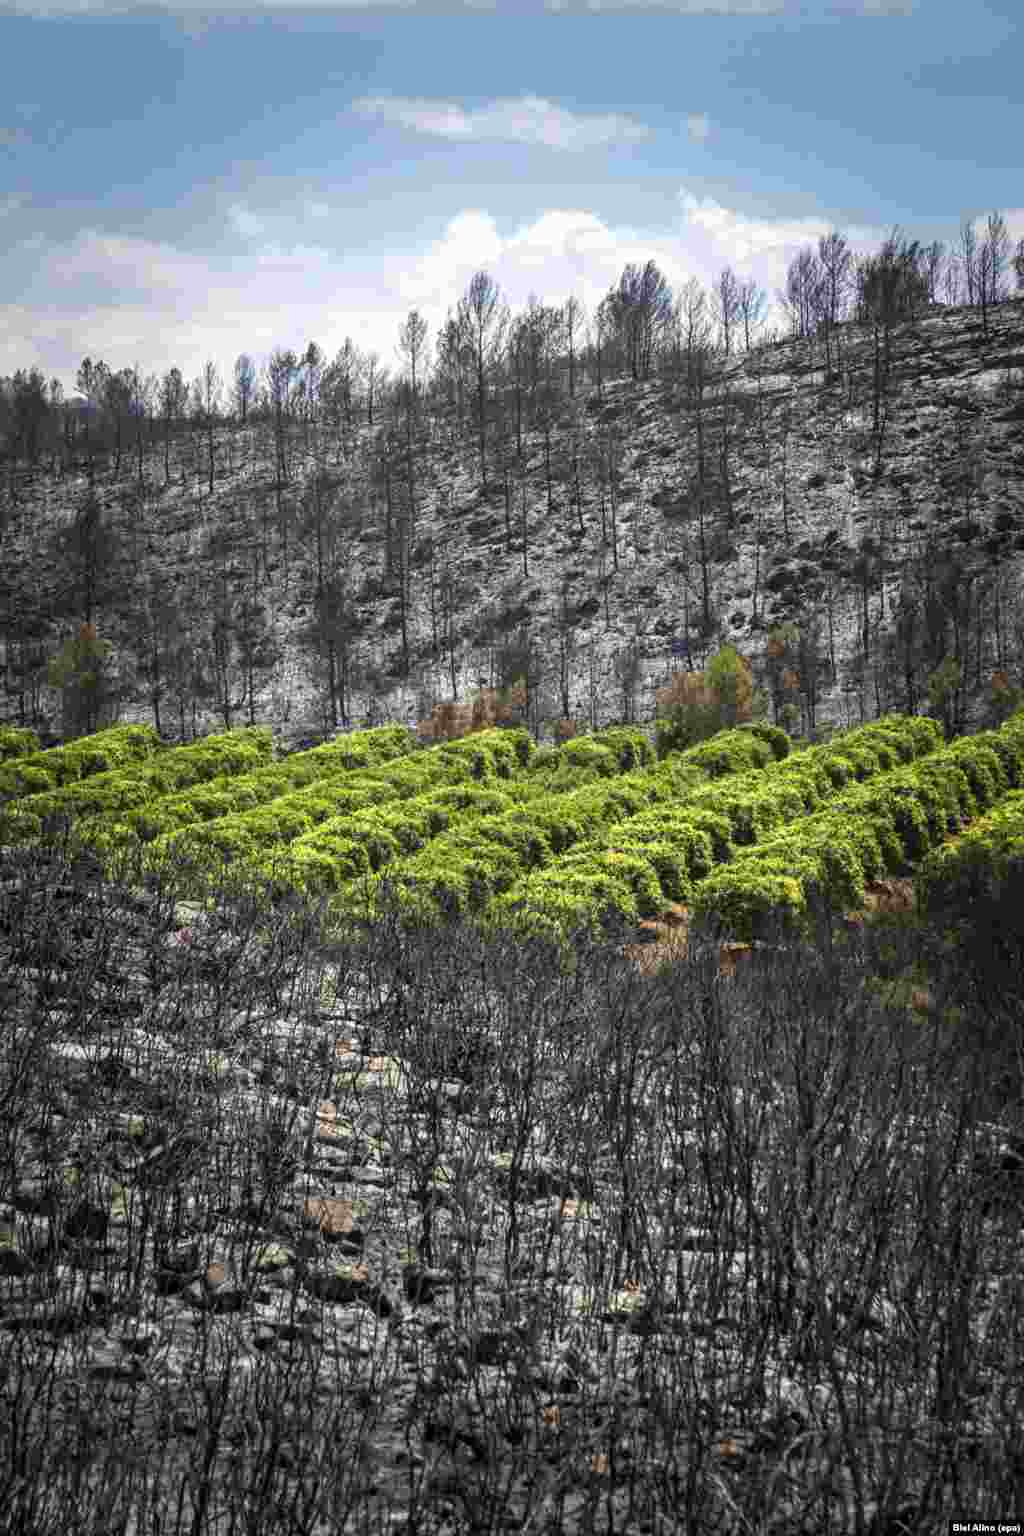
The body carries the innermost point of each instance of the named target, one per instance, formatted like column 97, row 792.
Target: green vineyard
column 742, row 828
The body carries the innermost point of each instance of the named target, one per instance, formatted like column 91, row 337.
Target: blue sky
column 194, row 181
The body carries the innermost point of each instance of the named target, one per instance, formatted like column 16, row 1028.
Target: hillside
column 700, row 506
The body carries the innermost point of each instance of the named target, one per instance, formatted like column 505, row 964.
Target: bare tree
column 509, row 460
column 29, row 408
column 244, row 385
column 727, row 298
column 411, row 344
column 751, row 298
column 935, row 266
column 327, row 517
column 450, row 596
column 803, row 280
column 952, row 284
column 968, row 254
column 237, row 633
column 350, row 368
column 384, row 477
column 173, row 401
column 515, row 370
column 155, row 627
column 572, row 320
column 641, row 311
column 619, row 322
column 412, row 341
column 83, row 552
column 694, row 328
column 603, row 458
column 338, row 390
column 831, row 293
column 485, row 318
column 891, row 286
column 700, row 495
column 141, row 405
column 281, row 370
column 997, row 241
column 227, row 672
column 312, row 368
column 453, row 369
column 567, row 647
column 572, row 459
column 540, row 330
column 92, row 380
column 993, row 258
column 118, row 397
column 836, row 262
column 604, row 339
column 207, row 391
column 376, row 382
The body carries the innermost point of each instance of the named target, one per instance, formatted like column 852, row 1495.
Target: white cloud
column 746, row 238
column 301, row 260
column 698, row 127
column 572, row 251
column 519, row 120
column 769, row 244
column 470, row 241
column 125, row 263
column 318, row 210
column 251, row 226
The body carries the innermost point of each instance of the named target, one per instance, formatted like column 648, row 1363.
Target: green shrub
column 17, row 741
column 651, row 856
column 40, row 772
column 561, row 903
column 773, row 735
column 526, row 841
column 766, row 895
column 729, row 752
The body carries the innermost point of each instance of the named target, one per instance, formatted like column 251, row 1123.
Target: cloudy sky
column 193, row 181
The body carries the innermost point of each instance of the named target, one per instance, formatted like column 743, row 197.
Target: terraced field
column 737, row 832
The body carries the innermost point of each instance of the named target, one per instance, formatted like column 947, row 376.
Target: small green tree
column 729, row 677
column 942, row 693
column 82, row 671
column 697, row 705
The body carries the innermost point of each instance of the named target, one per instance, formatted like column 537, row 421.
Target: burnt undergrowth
column 312, row 1231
